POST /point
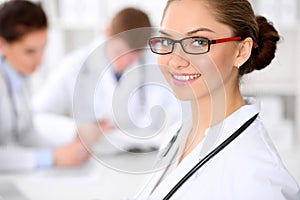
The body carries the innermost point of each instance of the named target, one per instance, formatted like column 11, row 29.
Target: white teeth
column 186, row 77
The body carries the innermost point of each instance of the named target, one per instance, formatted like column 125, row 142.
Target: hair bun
column 267, row 42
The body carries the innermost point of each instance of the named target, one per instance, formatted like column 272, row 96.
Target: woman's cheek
column 163, row 65
column 209, row 69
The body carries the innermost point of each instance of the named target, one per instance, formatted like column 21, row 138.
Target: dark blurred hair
column 137, row 25
column 19, row 17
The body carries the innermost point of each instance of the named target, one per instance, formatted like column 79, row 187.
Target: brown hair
column 239, row 15
column 19, row 17
column 130, row 19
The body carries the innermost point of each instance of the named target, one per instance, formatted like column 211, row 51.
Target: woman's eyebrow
column 198, row 30
column 164, row 33
column 190, row 32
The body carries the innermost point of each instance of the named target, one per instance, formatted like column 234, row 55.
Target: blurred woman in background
column 23, row 37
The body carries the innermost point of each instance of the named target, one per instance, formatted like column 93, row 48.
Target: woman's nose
column 38, row 60
column 177, row 60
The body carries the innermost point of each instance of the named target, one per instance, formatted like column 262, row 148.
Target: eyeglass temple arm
column 255, row 45
column 225, row 40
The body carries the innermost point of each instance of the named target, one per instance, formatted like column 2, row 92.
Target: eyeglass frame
column 210, row 42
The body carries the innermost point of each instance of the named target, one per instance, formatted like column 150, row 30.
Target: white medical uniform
column 18, row 138
column 248, row 168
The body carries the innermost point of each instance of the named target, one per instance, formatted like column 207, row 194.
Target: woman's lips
column 184, row 79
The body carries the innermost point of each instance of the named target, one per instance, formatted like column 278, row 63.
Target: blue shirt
column 44, row 157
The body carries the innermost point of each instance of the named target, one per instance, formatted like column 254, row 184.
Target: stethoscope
column 209, row 156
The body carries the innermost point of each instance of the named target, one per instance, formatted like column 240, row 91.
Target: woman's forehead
column 192, row 16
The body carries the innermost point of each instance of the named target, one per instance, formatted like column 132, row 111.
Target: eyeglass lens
column 192, row 45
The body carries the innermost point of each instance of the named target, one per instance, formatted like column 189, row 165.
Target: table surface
column 95, row 180
column 111, row 174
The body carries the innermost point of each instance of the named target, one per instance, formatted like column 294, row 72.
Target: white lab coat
column 17, row 148
column 248, row 168
column 85, row 87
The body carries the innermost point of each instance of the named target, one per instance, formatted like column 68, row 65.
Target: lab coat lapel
column 217, row 134
column 94, row 81
column 6, row 112
column 214, row 136
column 167, row 160
column 151, row 184
column 127, row 105
column 17, row 114
column 23, row 108
column 175, row 175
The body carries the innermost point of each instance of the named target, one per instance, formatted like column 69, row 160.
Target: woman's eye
column 199, row 42
column 29, row 51
column 166, row 42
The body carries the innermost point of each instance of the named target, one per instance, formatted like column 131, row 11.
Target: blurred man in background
column 105, row 86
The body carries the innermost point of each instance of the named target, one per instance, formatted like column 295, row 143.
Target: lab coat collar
column 118, row 75
column 214, row 136
column 166, row 160
column 15, row 79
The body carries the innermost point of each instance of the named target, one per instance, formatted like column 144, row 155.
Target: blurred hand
column 72, row 154
column 105, row 125
column 90, row 133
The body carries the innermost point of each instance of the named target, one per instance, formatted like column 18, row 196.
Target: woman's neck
column 211, row 110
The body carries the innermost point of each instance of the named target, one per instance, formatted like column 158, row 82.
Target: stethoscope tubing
column 210, row 156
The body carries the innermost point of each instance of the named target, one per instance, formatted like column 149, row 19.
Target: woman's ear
column 107, row 31
column 3, row 45
column 244, row 51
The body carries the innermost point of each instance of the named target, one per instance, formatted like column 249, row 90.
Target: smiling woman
column 223, row 152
